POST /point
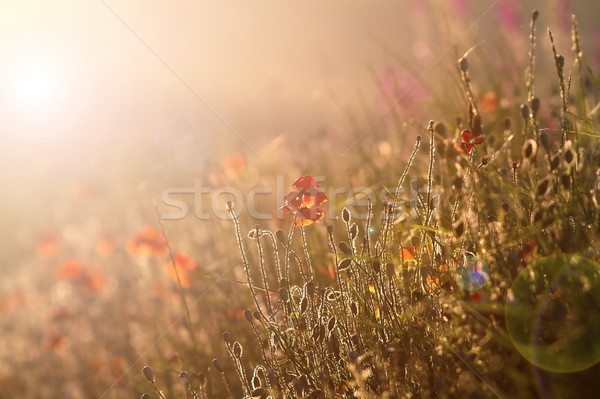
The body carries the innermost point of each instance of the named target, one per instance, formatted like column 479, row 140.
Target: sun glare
column 39, row 95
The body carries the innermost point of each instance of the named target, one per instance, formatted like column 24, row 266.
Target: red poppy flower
column 184, row 264
column 148, row 241
column 94, row 281
column 69, row 269
column 407, row 254
column 467, row 141
column 304, row 201
column 47, row 246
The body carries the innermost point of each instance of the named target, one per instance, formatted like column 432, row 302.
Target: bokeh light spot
column 553, row 313
column 473, row 274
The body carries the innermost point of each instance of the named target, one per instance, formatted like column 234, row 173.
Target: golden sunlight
column 41, row 92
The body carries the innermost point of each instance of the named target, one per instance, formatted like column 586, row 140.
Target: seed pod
column 237, row 350
column 303, row 305
column 459, row 229
column 280, row 236
column 331, row 324
column 184, row 377
column 542, row 187
column 463, row 64
column 554, row 162
column 148, row 373
column 354, row 231
column 226, row 337
column 284, row 294
column 560, row 61
column 248, row 315
column 505, row 207
column 256, row 381
column 414, row 185
column 346, row 215
column 565, row 179
column 457, row 183
column 344, row 263
column 258, row 392
column 534, row 14
column 202, row 378
column 507, row 123
column 435, row 200
column 376, row 266
column 440, row 129
column 525, row 112
column 529, row 149
column 344, row 248
column 354, row 309
column 217, row 365
column 535, row 105
column 570, row 156
column 329, row 229
column 256, row 315
column 310, row 288
column 545, row 140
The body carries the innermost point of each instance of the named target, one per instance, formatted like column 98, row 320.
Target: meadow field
column 339, row 200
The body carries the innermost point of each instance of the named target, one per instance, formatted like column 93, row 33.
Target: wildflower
column 467, row 141
column 184, row 264
column 304, row 201
column 94, row 281
column 105, row 246
column 489, row 102
column 148, row 241
column 69, row 269
column 47, row 246
column 407, row 254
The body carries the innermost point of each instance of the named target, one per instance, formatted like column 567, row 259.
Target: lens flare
column 553, row 313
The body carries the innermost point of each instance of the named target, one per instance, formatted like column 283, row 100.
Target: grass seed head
column 148, row 373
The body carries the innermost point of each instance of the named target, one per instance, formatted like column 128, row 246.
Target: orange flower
column 94, row 281
column 489, row 102
column 47, row 246
column 105, row 246
column 234, row 164
column 69, row 269
column 304, row 201
column 184, row 264
column 407, row 254
column 184, row 261
column 148, row 241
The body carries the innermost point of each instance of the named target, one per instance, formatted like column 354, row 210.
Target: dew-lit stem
column 245, row 262
column 261, row 264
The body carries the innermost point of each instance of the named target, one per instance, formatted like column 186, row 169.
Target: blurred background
column 105, row 104
column 95, row 93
